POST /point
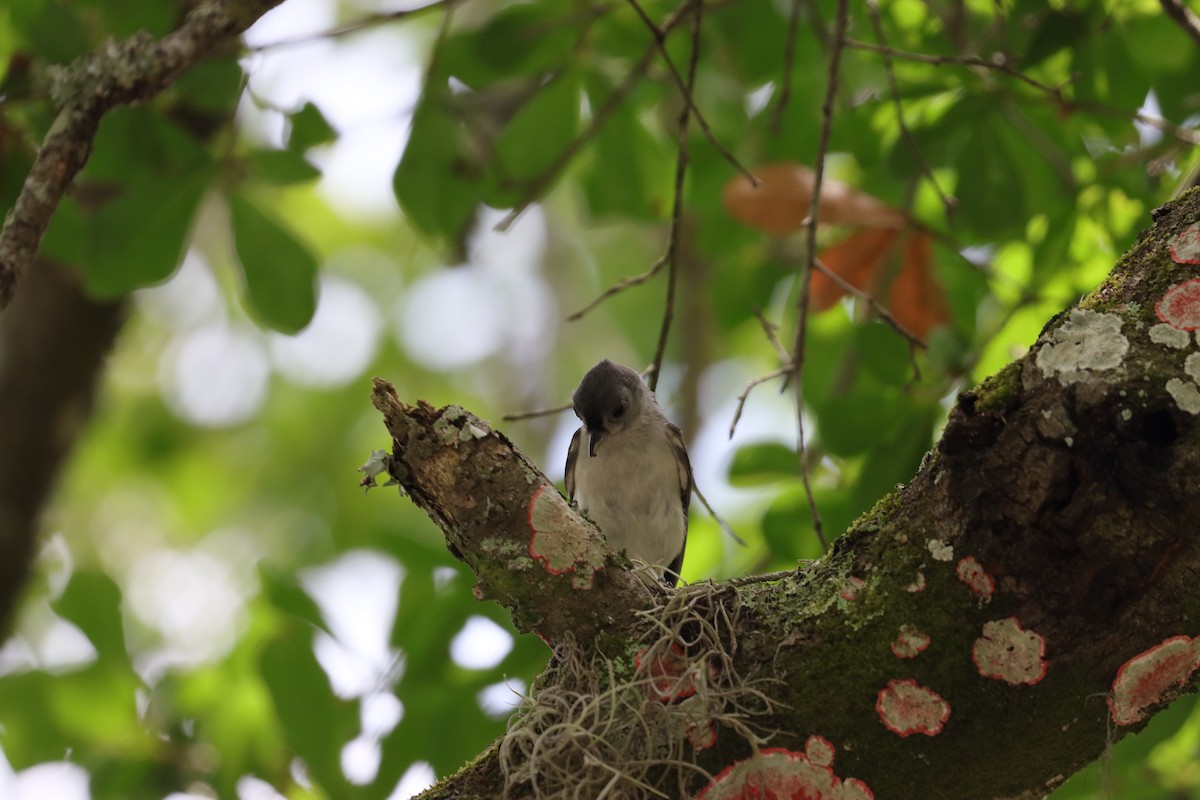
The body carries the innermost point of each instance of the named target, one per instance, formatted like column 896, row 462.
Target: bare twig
column 540, row 412
column 681, row 162
column 879, row 309
column 686, row 89
column 1183, row 16
column 961, row 60
column 789, row 60
column 835, row 56
column 786, row 369
column 769, row 328
column 948, row 203
column 601, row 116
column 724, row 525
column 365, row 23
column 121, row 73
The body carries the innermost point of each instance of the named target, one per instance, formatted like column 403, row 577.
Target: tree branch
column 960, row 640
column 123, row 73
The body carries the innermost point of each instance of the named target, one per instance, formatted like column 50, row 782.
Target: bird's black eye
column 619, row 411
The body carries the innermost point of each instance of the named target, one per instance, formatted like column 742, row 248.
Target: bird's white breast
column 631, row 490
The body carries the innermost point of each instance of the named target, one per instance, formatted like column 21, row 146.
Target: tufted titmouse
column 628, row 469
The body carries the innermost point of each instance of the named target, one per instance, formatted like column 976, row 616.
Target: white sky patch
column 60, row 780
column 357, row 594
column 1169, row 336
column 416, row 779
column 499, row 699
column 757, row 100
column 189, row 298
column 360, row 760
column 214, row 376
column 1148, row 135
column 481, row 644
column 191, row 598
column 337, row 345
column 380, row 713
column 1088, row 340
column 252, row 788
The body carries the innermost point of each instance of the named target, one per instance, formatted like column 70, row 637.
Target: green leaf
column 92, row 601
column 213, row 86
column 518, row 41
column 309, row 129
column 281, row 167
column 436, row 187
column 139, row 238
column 885, row 353
column 52, row 28
column 316, row 723
column 894, row 460
column 642, row 188
column 787, row 524
column 280, row 271
column 536, row 136
column 854, row 422
column 287, row 595
column 763, row 462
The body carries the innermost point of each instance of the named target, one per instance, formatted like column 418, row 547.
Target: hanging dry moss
column 596, row 728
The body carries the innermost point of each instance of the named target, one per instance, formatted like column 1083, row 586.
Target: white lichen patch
column 1088, row 340
column 1191, row 366
column 941, row 551
column 1168, row 336
column 1186, row 395
column 1126, row 414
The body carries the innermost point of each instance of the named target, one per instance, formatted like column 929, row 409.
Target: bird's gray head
column 610, row 398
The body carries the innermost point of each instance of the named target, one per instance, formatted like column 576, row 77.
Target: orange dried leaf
column 779, row 205
column 859, row 260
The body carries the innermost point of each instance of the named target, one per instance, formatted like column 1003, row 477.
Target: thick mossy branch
column 985, row 629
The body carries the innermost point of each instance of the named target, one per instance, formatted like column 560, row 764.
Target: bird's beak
column 594, row 437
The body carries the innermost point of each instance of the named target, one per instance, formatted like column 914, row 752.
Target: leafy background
column 217, row 607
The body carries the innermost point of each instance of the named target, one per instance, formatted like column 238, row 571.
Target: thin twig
column 671, row 256
column 767, row 577
column 769, row 329
column 879, row 309
column 686, row 89
column 601, row 116
column 1183, row 16
column 789, row 61
column 960, row 60
column 835, row 57
column 540, row 412
column 948, row 203
column 365, row 23
column 724, row 525
column 786, row 369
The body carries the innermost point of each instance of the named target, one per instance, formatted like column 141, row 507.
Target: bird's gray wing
column 572, row 457
column 686, row 481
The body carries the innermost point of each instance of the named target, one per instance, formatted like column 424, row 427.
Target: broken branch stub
column 531, row 551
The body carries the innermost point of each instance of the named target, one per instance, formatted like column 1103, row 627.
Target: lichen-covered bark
column 965, row 637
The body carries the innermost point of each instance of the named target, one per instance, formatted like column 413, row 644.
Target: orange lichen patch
column 556, row 542
column 1185, row 245
column 910, row 641
column 851, row 588
column 905, row 708
column 1180, row 306
column 669, row 676
column 1152, row 677
column 776, row 774
column 820, row 751
column 972, row 573
column 1008, row 653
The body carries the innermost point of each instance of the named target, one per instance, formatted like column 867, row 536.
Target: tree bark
column 53, row 341
column 983, row 632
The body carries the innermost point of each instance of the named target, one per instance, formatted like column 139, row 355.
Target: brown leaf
column 779, row 205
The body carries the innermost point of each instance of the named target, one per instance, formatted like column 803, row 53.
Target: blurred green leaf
column 139, row 238
column 309, row 129
column 92, row 601
column 763, row 462
column 281, row 167
column 435, row 186
column 316, row 724
column 52, row 28
column 885, row 353
column 280, row 271
column 535, row 138
column 287, row 595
